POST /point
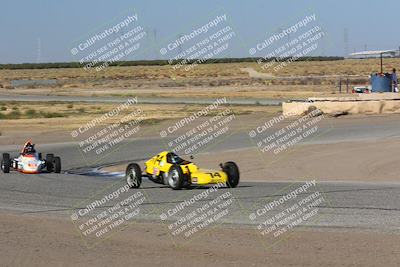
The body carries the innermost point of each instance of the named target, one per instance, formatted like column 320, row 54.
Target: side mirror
column 191, row 157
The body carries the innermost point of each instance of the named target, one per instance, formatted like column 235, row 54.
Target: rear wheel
column 232, row 170
column 133, row 175
column 6, row 163
column 175, row 177
column 57, row 164
column 164, row 176
column 49, row 162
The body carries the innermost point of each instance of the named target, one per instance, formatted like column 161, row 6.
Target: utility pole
column 39, row 50
column 346, row 42
column 155, row 42
column 180, row 45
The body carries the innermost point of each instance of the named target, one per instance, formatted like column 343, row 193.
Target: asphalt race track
column 346, row 205
column 351, row 205
column 142, row 100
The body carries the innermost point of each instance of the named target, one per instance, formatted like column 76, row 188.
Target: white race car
column 30, row 161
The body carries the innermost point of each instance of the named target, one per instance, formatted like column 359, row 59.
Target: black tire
column 50, row 157
column 49, row 162
column 57, row 164
column 232, row 170
column 133, row 175
column 6, row 163
column 176, row 178
column 6, row 156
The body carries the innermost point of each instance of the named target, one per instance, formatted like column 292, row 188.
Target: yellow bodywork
column 158, row 164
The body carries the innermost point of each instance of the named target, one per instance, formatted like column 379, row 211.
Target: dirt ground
column 57, row 130
column 144, row 244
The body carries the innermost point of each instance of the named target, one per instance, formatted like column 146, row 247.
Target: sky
column 38, row 31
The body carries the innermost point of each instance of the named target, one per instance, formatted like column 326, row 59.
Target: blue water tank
column 381, row 83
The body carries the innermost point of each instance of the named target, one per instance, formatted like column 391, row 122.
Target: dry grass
column 208, row 80
column 44, row 129
column 31, row 116
column 343, row 67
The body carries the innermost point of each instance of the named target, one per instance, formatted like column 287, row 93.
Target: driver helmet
column 173, row 158
column 29, row 147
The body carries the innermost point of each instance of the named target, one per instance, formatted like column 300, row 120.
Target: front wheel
column 175, row 177
column 6, row 163
column 133, row 175
column 232, row 170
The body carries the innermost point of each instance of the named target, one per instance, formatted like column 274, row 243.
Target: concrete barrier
column 359, row 104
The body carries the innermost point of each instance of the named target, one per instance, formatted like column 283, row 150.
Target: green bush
column 15, row 114
column 149, row 62
column 51, row 115
column 31, row 113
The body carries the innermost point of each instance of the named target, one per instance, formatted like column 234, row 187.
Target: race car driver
column 29, row 148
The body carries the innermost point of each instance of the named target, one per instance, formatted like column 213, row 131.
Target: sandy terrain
column 73, row 116
column 53, row 130
column 143, row 244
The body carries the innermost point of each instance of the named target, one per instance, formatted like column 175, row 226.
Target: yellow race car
column 169, row 169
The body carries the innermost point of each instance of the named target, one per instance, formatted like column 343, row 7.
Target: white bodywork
column 29, row 163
